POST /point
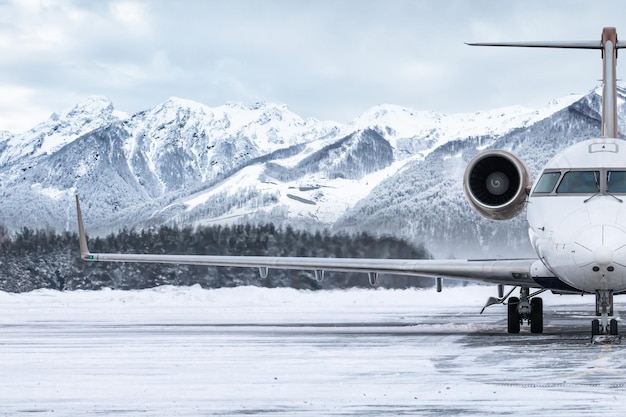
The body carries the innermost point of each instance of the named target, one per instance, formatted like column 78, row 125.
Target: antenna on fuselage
column 608, row 45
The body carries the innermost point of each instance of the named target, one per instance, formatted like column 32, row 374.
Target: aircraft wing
column 494, row 271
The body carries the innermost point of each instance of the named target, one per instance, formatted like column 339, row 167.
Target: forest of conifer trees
column 32, row 259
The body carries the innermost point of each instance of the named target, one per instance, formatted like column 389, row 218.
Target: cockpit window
column 547, row 182
column 580, row 182
column 616, row 181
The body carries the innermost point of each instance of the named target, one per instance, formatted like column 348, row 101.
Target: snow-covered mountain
column 59, row 130
column 392, row 170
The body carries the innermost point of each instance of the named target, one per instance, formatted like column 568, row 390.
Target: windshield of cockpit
column 567, row 182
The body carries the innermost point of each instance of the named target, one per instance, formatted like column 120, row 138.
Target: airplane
column 575, row 211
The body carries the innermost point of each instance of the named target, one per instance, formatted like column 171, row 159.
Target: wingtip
column 82, row 238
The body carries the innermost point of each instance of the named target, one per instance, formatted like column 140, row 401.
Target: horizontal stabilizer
column 540, row 44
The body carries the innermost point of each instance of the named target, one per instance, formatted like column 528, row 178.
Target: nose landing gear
column 604, row 309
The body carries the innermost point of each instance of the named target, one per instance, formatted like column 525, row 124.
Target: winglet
column 84, row 250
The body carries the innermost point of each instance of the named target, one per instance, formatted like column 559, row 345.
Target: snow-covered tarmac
column 250, row 351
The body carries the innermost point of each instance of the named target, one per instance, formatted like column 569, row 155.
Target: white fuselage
column 577, row 215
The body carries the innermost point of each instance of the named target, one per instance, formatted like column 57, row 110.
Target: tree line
column 31, row 259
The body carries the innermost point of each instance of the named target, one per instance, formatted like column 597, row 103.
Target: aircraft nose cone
column 601, row 245
column 603, row 255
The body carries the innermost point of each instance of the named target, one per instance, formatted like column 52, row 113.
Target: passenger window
column 580, row 182
column 547, row 182
column 616, row 181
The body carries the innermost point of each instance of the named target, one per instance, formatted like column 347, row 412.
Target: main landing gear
column 528, row 308
column 604, row 309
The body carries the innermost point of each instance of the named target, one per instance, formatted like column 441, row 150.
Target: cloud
column 324, row 59
column 133, row 16
column 18, row 109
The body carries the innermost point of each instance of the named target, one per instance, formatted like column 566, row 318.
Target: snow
column 245, row 351
column 338, row 195
column 268, row 125
column 443, row 127
column 54, row 193
column 248, row 175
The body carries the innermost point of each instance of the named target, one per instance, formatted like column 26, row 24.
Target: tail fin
column 609, row 46
column 82, row 238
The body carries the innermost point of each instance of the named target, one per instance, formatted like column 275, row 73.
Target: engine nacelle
column 497, row 184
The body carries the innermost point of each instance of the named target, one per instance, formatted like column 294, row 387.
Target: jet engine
column 497, row 184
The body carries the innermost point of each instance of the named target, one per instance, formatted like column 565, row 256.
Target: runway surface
column 241, row 352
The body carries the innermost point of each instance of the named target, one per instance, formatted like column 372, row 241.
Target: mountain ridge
column 185, row 163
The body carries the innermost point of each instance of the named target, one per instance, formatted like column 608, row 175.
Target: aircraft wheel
column 613, row 327
column 513, row 316
column 595, row 327
column 536, row 315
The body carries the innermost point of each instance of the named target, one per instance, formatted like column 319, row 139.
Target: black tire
column 513, row 317
column 536, row 315
column 613, row 327
column 595, row 327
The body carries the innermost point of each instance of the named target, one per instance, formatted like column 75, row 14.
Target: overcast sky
column 330, row 60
